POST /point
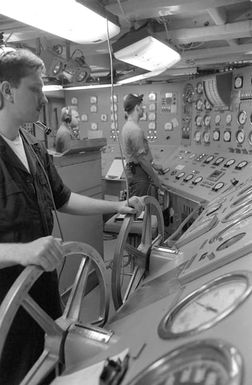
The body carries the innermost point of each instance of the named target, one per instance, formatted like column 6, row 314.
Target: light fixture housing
column 142, row 49
column 73, row 20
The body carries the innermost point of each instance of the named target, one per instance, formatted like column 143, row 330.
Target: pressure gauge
column 218, row 186
column 218, row 161
column 197, row 136
column 227, row 136
column 197, row 180
column 228, row 118
column 205, row 362
column 199, row 88
column 206, row 137
column 240, row 136
column 207, row 120
column 199, row 104
column 216, row 135
column 229, row 163
column 238, row 82
column 242, row 117
column 198, row 120
column 188, row 177
column 206, row 306
column 217, row 119
column 208, row 105
column 208, row 159
column 241, row 165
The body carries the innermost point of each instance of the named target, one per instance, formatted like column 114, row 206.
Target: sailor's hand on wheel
column 136, row 206
column 46, row 252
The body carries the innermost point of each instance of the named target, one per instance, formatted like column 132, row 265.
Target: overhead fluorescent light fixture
column 70, row 19
column 142, row 49
column 140, row 77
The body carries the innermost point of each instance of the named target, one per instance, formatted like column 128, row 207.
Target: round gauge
column 197, row 180
column 180, row 175
column 217, row 119
column 242, row 117
column 216, row 135
column 218, row 161
column 206, row 137
column 228, row 118
column 206, row 306
column 198, row 120
column 197, row 136
column 188, row 177
column 207, row 120
column 250, row 137
column 240, row 136
column 152, row 116
column 208, row 159
column 238, row 82
column 218, row 186
column 227, row 136
column 232, row 229
column 168, row 126
column 229, row 163
column 242, row 164
column 188, row 93
column 208, row 105
column 205, row 362
column 199, row 105
column 199, row 88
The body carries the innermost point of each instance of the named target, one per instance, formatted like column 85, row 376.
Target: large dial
column 242, row 117
column 207, row 305
column 207, row 362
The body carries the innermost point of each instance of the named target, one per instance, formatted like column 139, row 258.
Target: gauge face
column 238, row 82
column 242, row 117
column 217, row 119
column 242, row 164
column 216, row 135
column 227, row 136
column 207, row 120
column 240, row 136
column 228, row 118
column 198, row 120
column 207, row 305
column 188, row 177
column 199, row 88
column 197, row 136
column 218, row 186
column 219, row 160
column 229, row 162
column 197, row 180
column 207, row 362
column 199, row 104
column 206, row 137
column 208, row 105
column 180, row 175
column 209, row 159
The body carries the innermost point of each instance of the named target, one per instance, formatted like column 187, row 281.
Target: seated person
column 68, row 130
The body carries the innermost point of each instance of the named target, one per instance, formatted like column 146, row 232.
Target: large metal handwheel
column 52, row 356
column 137, row 256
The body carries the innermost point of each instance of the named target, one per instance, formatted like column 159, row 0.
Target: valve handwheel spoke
column 55, row 331
column 139, row 254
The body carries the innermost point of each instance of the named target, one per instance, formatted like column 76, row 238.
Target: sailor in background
column 68, row 130
column 140, row 168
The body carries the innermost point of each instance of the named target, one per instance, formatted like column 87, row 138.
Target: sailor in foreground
column 26, row 204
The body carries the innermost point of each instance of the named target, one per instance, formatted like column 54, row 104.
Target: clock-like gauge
column 199, row 105
column 180, row 175
column 217, row 119
column 208, row 105
column 208, row 159
column 188, row 177
column 218, row 186
column 228, row 118
column 242, row 117
column 207, row 120
column 240, row 136
column 218, row 160
column 199, row 88
column 168, row 126
column 206, row 137
column 197, row 180
column 188, row 93
column 197, row 136
column 227, row 136
column 229, row 163
column 250, row 137
column 241, row 165
column 205, row 362
column 238, row 82
column 198, row 120
column 216, row 135
column 207, row 305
